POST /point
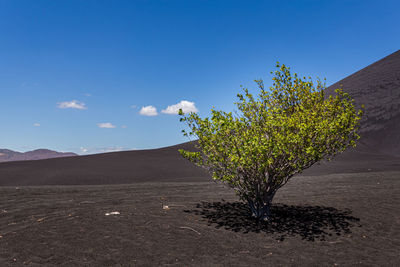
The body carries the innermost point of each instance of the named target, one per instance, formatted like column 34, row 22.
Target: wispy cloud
column 112, row 149
column 148, row 111
column 94, row 150
column 72, row 104
column 186, row 107
column 36, row 124
column 106, row 125
column 87, row 94
column 123, row 126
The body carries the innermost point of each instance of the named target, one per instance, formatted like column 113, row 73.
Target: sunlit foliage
column 287, row 129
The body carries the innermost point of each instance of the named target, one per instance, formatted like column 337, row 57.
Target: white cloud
column 148, row 111
column 106, row 125
column 133, row 106
column 72, row 104
column 186, row 107
column 36, row 124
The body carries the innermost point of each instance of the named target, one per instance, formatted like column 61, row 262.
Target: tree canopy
column 269, row 139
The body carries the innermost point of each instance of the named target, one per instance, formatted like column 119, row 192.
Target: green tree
column 270, row 139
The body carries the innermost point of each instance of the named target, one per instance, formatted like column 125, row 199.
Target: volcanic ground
column 152, row 207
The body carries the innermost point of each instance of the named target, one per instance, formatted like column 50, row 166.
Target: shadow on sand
column 309, row 222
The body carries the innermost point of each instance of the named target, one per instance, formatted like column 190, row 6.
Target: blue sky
column 75, row 75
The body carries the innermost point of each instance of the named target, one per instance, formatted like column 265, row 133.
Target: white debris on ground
column 113, row 213
column 165, row 207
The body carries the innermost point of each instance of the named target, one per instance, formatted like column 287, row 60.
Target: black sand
column 333, row 220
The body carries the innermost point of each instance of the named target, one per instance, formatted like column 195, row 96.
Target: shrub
column 287, row 129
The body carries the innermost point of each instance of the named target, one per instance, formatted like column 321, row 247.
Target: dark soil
column 331, row 220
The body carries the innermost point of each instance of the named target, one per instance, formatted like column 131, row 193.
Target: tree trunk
column 261, row 209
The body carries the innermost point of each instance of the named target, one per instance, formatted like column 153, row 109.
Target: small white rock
column 113, row 213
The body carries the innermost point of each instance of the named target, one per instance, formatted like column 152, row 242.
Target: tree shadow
column 309, row 222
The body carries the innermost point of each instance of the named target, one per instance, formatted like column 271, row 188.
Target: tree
column 270, row 139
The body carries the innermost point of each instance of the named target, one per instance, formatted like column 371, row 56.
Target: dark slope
column 377, row 86
column 165, row 164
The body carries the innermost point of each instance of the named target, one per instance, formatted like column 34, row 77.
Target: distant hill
column 9, row 155
column 152, row 165
column 377, row 86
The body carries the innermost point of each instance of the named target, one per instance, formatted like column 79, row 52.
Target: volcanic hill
column 164, row 164
column 376, row 86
